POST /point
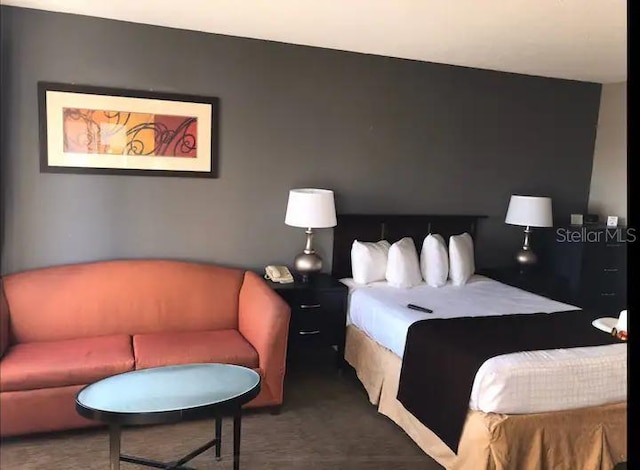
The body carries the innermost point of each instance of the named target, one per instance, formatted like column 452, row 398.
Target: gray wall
column 387, row 135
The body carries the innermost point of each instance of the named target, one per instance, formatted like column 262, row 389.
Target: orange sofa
column 67, row 326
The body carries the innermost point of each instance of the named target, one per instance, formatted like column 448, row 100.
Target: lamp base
column 526, row 259
column 307, row 263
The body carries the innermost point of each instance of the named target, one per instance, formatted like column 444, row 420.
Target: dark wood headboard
column 374, row 227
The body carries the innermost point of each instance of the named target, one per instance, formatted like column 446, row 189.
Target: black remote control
column 418, row 307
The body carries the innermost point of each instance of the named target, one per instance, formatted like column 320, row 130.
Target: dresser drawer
column 604, row 281
column 609, row 299
column 314, row 301
column 606, row 277
column 313, row 328
column 610, row 255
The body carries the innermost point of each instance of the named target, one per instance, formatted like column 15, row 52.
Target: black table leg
column 237, row 417
column 218, row 436
column 114, row 447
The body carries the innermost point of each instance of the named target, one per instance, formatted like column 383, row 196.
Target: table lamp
column 310, row 208
column 529, row 211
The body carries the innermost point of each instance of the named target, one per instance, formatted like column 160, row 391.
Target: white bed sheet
column 524, row 382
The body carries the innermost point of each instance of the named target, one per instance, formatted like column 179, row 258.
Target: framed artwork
column 86, row 129
column 612, row 221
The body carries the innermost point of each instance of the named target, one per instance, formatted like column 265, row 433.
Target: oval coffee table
column 167, row 395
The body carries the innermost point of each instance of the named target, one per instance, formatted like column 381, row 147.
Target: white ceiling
column 575, row 39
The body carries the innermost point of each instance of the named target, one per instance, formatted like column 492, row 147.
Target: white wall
column 608, row 194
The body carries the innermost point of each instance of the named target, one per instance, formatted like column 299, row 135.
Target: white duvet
column 524, row 382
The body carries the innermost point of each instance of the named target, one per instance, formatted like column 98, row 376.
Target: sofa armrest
column 263, row 319
column 4, row 321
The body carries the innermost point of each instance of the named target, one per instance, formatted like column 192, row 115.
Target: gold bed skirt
column 588, row 438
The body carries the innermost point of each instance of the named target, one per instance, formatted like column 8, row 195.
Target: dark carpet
column 326, row 423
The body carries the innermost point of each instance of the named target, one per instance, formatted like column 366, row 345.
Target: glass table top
column 170, row 388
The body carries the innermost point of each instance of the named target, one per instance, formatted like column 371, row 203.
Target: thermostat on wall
column 576, row 219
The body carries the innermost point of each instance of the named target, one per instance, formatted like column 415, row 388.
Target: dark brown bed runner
column 442, row 356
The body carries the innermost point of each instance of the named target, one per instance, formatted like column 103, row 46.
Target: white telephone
column 279, row 274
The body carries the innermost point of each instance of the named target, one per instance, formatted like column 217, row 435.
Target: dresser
column 592, row 259
column 318, row 315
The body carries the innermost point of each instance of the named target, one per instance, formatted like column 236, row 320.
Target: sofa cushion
column 30, row 366
column 163, row 349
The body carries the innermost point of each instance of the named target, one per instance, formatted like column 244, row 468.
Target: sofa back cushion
column 121, row 297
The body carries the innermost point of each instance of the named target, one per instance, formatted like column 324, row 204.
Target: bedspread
column 442, row 356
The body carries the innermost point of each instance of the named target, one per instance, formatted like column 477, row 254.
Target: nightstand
column 532, row 280
column 318, row 314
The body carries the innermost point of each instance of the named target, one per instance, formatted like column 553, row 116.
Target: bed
column 541, row 427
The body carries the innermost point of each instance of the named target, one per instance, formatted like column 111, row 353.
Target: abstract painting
column 86, row 129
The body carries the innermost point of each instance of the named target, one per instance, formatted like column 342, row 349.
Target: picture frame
column 612, row 221
column 99, row 130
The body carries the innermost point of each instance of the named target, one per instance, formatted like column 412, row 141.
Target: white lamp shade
column 530, row 211
column 311, row 208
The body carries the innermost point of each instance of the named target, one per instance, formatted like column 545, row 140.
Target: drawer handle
column 607, row 294
column 611, row 270
column 310, row 306
column 314, row 332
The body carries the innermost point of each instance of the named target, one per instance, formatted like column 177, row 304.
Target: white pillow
column 369, row 261
column 434, row 261
column 461, row 263
column 403, row 267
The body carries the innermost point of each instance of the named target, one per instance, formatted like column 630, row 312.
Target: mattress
column 524, row 382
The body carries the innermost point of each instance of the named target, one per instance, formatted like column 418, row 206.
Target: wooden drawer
column 605, row 255
column 311, row 328
column 313, row 300
column 609, row 297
